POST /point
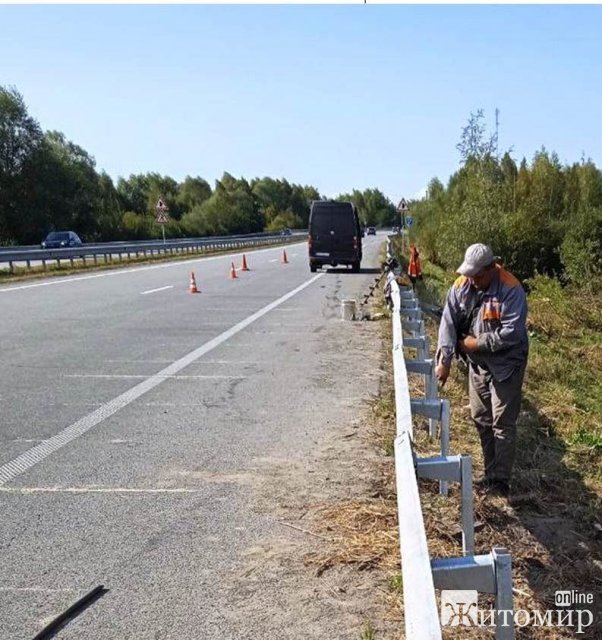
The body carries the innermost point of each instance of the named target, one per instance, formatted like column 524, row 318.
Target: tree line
column 539, row 216
column 50, row 183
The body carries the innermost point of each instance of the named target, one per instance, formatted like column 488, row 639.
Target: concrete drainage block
column 348, row 309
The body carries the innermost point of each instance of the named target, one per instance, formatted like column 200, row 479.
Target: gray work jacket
column 498, row 320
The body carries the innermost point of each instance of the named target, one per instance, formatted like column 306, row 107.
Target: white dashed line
column 143, row 377
column 169, row 286
column 25, row 461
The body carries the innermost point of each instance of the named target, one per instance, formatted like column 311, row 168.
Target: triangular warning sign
column 162, row 218
column 403, row 205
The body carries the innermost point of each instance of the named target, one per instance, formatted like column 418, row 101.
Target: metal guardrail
column 489, row 573
column 106, row 251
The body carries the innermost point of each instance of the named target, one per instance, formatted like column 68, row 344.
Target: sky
column 340, row 97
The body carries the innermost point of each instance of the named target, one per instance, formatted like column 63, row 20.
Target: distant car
column 286, row 232
column 59, row 239
column 371, row 231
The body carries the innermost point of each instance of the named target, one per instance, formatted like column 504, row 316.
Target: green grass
column 396, row 584
column 368, row 632
column 588, row 439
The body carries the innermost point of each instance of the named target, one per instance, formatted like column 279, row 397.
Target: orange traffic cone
column 233, row 272
column 192, row 288
column 244, row 263
column 284, row 258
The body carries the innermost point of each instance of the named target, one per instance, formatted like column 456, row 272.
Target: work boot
column 499, row 488
column 483, row 483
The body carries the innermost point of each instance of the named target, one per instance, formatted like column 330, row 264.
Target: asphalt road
column 133, row 411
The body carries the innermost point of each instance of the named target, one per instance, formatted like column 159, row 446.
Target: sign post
column 403, row 209
column 162, row 215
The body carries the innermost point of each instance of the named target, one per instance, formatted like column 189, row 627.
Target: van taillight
column 355, row 242
column 309, row 241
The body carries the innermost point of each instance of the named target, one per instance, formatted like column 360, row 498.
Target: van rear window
column 333, row 215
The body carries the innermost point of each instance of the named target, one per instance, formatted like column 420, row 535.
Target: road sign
column 409, row 221
column 161, row 206
column 403, row 205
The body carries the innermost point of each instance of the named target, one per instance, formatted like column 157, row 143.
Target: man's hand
column 442, row 373
column 468, row 344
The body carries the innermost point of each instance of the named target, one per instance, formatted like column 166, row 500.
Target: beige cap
column 477, row 257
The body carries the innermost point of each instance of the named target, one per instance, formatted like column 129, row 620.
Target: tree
column 133, row 192
column 66, row 191
column 581, row 249
column 20, row 139
column 193, row 192
column 109, row 214
column 473, row 144
column 20, row 134
column 590, row 185
column 231, row 209
column 373, row 206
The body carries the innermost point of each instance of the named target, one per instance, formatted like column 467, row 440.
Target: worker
column 484, row 322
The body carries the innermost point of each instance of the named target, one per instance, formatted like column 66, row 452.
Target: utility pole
column 497, row 124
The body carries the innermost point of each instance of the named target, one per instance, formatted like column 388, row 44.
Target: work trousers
column 494, row 408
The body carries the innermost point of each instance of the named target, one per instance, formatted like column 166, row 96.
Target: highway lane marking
column 121, row 272
column 227, row 362
column 32, row 490
column 28, row 459
column 36, row 590
column 169, row 286
column 134, row 361
column 240, row 344
column 174, row 404
column 274, row 260
column 143, row 377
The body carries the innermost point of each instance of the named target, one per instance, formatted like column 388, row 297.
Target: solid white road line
column 26, row 460
column 143, row 377
column 32, row 490
column 35, row 590
column 169, row 286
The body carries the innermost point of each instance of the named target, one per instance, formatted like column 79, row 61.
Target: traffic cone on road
column 244, row 263
column 284, row 258
column 233, row 272
column 192, row 288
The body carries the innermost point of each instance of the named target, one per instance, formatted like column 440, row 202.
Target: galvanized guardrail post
column 490, row 573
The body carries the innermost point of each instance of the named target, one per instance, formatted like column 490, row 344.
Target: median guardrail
column 105, row 252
